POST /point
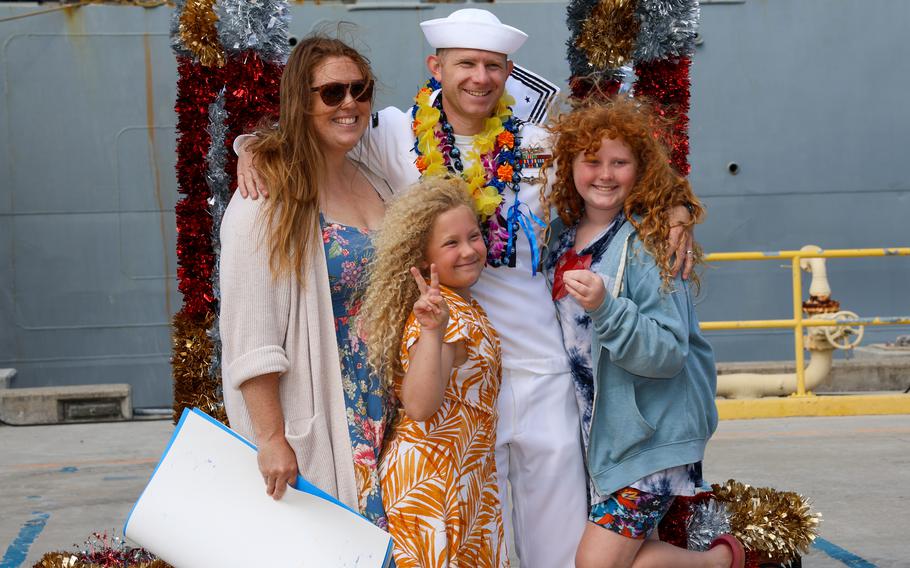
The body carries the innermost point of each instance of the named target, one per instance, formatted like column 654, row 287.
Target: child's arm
column 647, row 333
column 431, row 359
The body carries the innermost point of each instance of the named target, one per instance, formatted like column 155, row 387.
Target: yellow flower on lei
column 486, row 200
column 432, row 163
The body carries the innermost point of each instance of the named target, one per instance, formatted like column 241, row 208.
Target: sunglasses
column 333, row 94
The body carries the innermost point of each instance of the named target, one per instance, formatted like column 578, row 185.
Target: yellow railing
column 797, row 323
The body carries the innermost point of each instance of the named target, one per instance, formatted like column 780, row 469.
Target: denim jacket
column 655, row 377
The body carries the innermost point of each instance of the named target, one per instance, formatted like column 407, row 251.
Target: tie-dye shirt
column 576, row 332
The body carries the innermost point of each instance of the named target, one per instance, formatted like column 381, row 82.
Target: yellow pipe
column 747, row 324
column 789, row 323
column 834, row 253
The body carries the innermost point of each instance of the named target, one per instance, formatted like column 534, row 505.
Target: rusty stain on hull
column 156, row 173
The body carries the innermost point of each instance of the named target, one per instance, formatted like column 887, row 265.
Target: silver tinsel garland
column 667, row 29
column 258, row 25
column 176, row 42
column 219, row 183
column 708, row 520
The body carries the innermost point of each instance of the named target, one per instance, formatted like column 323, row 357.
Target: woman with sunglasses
column 295, row 376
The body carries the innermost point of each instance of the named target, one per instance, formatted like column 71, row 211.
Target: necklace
column 494, row 164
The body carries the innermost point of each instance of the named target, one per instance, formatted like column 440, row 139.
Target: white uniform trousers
column 539, row 454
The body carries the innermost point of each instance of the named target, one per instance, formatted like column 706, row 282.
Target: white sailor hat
column 473, row 29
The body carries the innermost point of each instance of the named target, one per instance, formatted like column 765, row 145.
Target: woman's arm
column 254, row 317
column 277, row 461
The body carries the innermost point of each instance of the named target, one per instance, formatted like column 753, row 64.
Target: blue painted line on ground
column 69, row 469
column 17, row 551
column 838, row 553
column 119, row 477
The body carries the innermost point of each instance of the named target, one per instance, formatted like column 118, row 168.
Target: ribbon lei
column 524, row 220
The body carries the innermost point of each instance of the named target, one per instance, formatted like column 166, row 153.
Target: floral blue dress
column 348, row 251
column 576, row 331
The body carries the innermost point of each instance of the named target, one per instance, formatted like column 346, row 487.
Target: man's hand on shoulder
column 682, row 240
column 249, row 183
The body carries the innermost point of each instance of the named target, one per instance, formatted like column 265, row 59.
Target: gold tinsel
column 192, row 355
column 68, row 560
column 198, row 32
column 608, row 35
column 779, row 524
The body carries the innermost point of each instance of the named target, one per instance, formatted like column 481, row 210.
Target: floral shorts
column 631, row 512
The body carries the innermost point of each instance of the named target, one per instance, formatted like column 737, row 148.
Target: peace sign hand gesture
column 430, row 309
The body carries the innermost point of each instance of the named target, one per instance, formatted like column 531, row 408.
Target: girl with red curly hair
column 644, row 375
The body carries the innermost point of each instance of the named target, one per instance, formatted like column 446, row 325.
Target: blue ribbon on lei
column 524, row 222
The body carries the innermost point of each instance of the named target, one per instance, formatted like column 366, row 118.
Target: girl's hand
column 278, row 466
column 430, row 309
column 586, row 287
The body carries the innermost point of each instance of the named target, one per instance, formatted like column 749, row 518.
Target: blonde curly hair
column 401, row 244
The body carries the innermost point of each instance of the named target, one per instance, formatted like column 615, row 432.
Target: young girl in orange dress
column 441, row 358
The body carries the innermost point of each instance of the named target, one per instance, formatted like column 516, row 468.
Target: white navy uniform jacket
column 517, row 303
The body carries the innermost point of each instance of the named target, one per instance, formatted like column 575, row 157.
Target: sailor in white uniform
column 538, row 449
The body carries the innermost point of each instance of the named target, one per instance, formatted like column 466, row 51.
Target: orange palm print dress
column 439, row 476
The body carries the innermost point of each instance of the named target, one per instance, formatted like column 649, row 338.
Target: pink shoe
column 739, row 554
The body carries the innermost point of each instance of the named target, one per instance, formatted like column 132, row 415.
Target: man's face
column 472, row 80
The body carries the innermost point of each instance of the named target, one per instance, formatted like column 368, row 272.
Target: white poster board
column 205, row 505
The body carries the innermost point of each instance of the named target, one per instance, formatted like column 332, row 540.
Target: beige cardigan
column 281, row 326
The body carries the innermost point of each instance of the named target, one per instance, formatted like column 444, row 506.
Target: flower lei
column 495, row 159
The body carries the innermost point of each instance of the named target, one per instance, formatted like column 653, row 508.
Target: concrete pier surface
column 60, row 483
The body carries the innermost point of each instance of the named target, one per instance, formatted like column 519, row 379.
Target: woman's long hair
column 289, row 158
column 401, row 244
column 659, row 186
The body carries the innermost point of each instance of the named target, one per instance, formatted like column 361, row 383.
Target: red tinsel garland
column 251, row 93
column 197, row 88
column 584, row 87
column 667, row 84
column 252, row 88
